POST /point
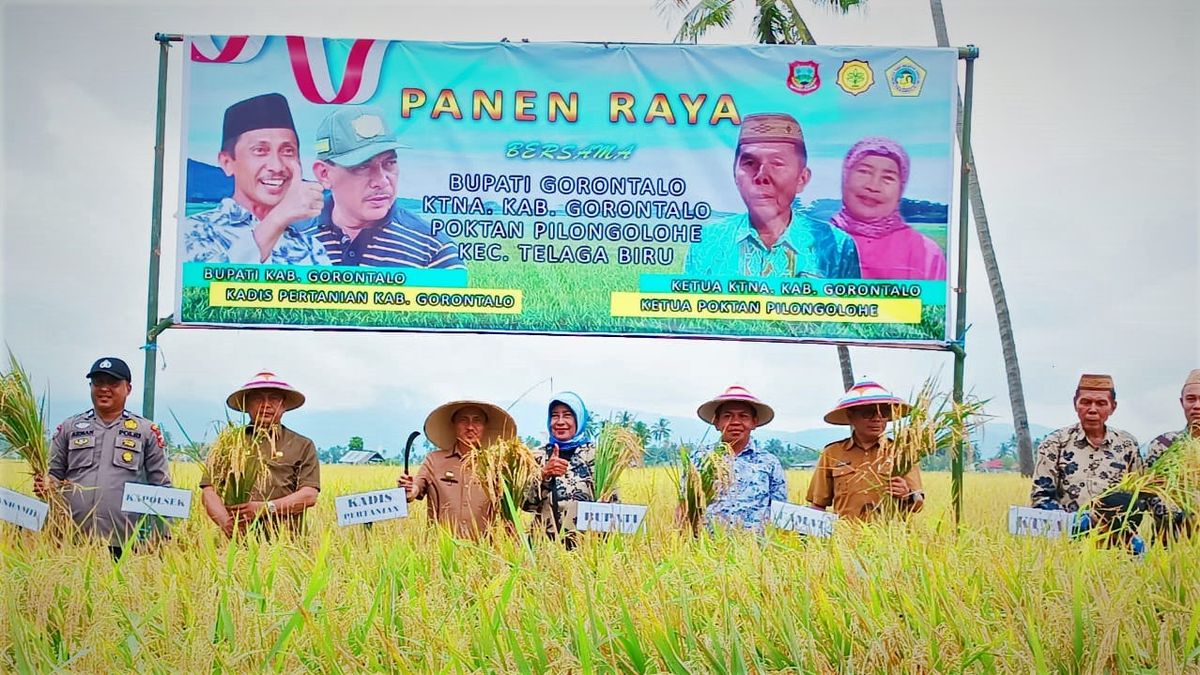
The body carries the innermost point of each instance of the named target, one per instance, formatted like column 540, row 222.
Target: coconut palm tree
column 1008, row 346
column 776, row 22
column 661, row 431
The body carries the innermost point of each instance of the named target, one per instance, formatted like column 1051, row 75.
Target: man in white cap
column 1174, row 523
column 758, row 478
column 295, row 474
column 94, row 454
column 856, row 475
column 456, row 499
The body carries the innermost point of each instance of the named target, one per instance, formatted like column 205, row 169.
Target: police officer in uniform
column 94, row 454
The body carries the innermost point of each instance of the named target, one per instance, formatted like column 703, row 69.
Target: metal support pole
column 152, row 323
column 969, row 53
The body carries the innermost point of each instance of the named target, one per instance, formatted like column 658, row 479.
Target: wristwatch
column 270, row 508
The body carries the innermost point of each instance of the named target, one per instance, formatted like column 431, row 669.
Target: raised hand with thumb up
column 555, row 466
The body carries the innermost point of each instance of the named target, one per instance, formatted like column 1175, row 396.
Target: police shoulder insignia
column 131, row 424
column 127, row 456
column 158, row 435
column 855, row 77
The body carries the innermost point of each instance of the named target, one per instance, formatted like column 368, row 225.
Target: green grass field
column 404, row 597
column 568, row 298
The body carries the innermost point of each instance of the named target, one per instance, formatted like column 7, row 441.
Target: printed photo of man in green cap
column 261, row 221
column 360, row 222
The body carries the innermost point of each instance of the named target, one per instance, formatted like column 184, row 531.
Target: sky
column 1085, row 135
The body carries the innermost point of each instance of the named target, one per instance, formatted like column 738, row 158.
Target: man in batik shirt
column 1077, row 465
column 261, row 222
column 757, row 475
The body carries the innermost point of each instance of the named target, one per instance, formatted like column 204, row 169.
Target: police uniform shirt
column 99, row 459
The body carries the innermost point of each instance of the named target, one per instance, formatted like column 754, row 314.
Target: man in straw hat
column 94, row 454
column 1171, row 523
column 455, row 498
column 758, row 477
column 773, row 238
column 294, row 473
column 1078, row 464
column 856, row 475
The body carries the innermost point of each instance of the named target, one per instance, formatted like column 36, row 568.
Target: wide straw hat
column 292, row 398
column 735, row 394
column 439, row 426
column 866, row 392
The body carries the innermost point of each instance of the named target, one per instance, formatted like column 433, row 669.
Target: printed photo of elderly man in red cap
column 294, row 474
column 854, row 475
column 773, row 238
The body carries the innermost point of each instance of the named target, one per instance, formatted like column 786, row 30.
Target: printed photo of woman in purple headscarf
column 874, row 175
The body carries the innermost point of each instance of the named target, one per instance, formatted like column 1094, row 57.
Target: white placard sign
column 1030, row 522
column 371, row 507
column 156, row 500
column 19, row 509
column 802, row 519
column 609, row 517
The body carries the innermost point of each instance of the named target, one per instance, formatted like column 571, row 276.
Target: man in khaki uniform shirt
column 94, row 454
column 294, row 474
column 456, row 499
column 854, row 475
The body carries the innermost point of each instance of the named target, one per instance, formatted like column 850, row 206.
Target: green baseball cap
column 351, row 135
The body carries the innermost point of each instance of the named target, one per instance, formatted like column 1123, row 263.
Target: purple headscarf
column 880, row 147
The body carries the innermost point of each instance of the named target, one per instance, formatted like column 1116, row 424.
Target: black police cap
column 111, row 365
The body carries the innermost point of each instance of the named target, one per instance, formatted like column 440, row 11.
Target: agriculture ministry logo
column 804, row 77
column 905, row 78
column 855, row 77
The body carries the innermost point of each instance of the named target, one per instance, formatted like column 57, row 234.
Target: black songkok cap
column 268, row 111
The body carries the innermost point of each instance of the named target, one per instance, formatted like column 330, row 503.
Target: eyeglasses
column 872, row 411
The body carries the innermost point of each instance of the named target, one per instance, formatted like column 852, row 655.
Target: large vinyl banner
column 753, row 192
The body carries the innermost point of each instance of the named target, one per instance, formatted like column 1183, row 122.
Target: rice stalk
column 235, row 463
column 617, row 448
column 1174, row 478
column 23, row 418
column 23, row 427
column 934, row 422
column 702, row 481
column 504, row 469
